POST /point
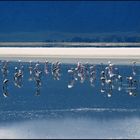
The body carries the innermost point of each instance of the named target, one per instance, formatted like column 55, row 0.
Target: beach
column 71, row 54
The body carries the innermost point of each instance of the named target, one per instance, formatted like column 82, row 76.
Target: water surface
column 59, row 112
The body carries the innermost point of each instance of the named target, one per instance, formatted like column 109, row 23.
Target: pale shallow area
column 73, row 128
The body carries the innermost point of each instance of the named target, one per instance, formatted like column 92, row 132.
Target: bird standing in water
column 30, row 71
column 56, row 70
column 37, row 79
column 134, row 68
column 46, row 70
column 18, row 75
column 5, row 72
column 74, row 78
column 92, row 75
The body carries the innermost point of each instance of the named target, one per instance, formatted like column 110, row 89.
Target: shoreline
column 71, row 55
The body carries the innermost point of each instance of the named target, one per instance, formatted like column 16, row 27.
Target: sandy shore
column 72, row 55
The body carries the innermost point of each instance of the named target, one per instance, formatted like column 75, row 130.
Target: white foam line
column 123, row 44
column 75, row 110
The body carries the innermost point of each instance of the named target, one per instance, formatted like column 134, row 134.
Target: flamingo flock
column 107, row 76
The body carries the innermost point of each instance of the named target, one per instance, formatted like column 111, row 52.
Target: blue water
column 80, row 112
column 60, row 20
column 54, row 94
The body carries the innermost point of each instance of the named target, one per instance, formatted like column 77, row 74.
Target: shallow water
column 71, row 124
column 59, row 112
column 81, row 127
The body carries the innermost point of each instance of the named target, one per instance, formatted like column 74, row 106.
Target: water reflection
column 5, row 88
